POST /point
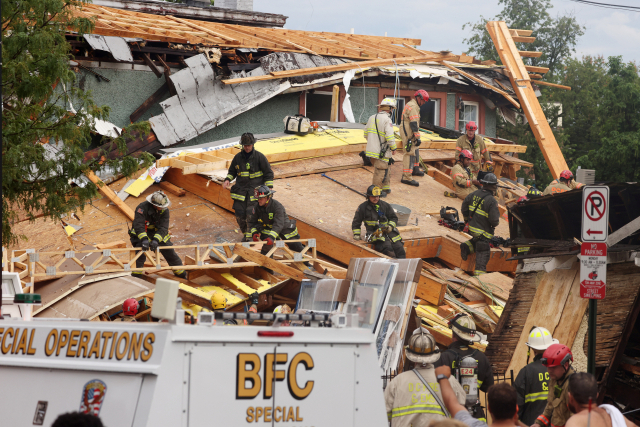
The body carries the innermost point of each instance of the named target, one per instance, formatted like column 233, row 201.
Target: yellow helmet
column 218, row 301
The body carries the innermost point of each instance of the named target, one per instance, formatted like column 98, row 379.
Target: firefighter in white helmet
column 413, row 398
column 532, row 382
column 381, row 144
column 479, row 376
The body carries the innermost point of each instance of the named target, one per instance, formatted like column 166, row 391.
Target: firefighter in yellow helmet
column 413, row 398
column 532, row 382
column 219, row 303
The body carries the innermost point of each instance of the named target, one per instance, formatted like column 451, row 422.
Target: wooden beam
column 539, row 82
column 169, row 187
column 483, row 83
column 535, row 76
column 521, row 39
column 624, row 232
column 530, row 54
column 536, row 69
column 335, row 100
column 111, row 195
column 343, row 67
column 451, row 145
column 302, row 48
column 203, row 29
column 525, row 33
column 150, row 64
column 151, row 101
column 262, row 260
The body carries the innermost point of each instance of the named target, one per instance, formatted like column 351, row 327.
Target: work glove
column 154, row 245
column 255, row 298
column 466, row 228
column 391, row 161
column 389, row 229
column 269, row 241
column 144, row 244
column 256, row 237
column 356, row 237
column 418, row 142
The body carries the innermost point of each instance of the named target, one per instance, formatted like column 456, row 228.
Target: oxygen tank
column 469, row 381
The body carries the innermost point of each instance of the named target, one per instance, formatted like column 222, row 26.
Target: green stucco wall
column 489, row 122
column 363, row 96
column 451, row 111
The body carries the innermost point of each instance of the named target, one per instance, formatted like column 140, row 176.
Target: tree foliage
column 37, row 82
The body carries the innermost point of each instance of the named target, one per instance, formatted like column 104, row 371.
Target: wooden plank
column 536, row 69
column 149, row 102
column 451, row 145
column 441, row 177
column 111, row 195
column 521, row 39
column 342, row 67
column 335, row 99
column 530, row 54
column 539, row 82
column 483, row 83
column 112, row 245
column 525, row 33
column 262, row 260
column 170, row 188
column 203, row 29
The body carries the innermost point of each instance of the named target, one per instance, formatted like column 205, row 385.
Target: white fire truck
column 172, row 374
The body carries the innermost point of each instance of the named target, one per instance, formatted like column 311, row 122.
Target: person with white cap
column 151, row 229
column 381, row 144
column 413, row 398
column 464, row 333
column 532, row 382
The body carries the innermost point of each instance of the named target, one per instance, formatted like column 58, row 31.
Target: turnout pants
column 409, row 161
column 480, row 246
column 169, row 254
column 389, row 247
column 381, row 176
column 242, row 210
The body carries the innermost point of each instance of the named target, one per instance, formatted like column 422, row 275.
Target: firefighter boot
column 413, row 182
column 417, row 171
column 182, row 274
column 466, row 249
column 482, row 257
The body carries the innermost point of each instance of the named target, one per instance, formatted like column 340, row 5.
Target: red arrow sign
column 590, row 232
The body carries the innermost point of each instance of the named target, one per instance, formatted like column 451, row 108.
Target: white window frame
column 436, row 113
column 462, row 123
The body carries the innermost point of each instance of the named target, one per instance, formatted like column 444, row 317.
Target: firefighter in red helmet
column 557, row 358
column 475, row 144
column 129, row 310
column 464, row 182
column 562, row 184
column 410, row 134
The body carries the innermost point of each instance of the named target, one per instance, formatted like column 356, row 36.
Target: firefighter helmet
column 422, row 347
column 422, row 94
column 522, row 199
column 489, row 179
column 283, row 309
column 262, row 191
column 130, row 307
column 218, row 301
column 159, row 199
column 556, row 355
column 247, row 138
column 464, row 327
column 533, row 193
column 374, row 191
column 388, row 102
column 471, row 126
column 566, row 174
column 465, row 154
column 540, row 338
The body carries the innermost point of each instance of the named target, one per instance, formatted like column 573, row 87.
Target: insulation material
column 346, row 104
column 202, row 103
column 117, row 46
column 139, row 186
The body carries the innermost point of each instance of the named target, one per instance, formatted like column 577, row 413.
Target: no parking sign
column 595, row 213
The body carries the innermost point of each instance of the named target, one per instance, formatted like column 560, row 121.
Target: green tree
column 36, row 82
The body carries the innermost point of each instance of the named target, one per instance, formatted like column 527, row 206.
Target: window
column 430, row 112
column 470, row 112
column 319, row 106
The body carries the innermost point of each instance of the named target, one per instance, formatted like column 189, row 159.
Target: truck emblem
column 93, row 395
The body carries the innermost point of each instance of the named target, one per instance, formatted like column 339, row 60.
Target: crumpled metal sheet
column 117, row 46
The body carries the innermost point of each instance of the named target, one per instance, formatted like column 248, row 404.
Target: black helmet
column 373, row 191
column 262, row 191
column 533, row 193
column 247, row 139
column 489, row 179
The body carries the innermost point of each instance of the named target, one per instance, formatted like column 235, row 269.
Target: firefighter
column 250, row 168
column 475, row 144
column 564, row 183
column 151, row 220
column 380, row 223
column 129, row 310
column 464, row 181
column 268, row 221
column 532, row 382
column 557, row 358
column 480, row 211
column 464, row 333
column 410, row 134
column 409, row 400
column 219, row 303
column 381, row 144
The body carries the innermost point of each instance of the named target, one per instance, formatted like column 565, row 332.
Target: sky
column 438, row 24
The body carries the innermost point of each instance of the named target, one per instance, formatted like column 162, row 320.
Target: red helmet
column 130, row 307
column 467, row 154
column 523, row 199
column 472, row 126
column 422, row 94
column 556, row 355
column 566, row 175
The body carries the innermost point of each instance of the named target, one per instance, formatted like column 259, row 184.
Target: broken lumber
column 173, row 189
column 483, row 83
column 111, row 195
column 112, row 245
column 262, row 260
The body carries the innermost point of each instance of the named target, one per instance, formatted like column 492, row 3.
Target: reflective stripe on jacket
column 150, row 223
column 374, row 216
column 272, row 220
column 482, row 210
column 380, row 136
column 478, row 149
column 532, row 385
column 249, row 173
column 410, row 125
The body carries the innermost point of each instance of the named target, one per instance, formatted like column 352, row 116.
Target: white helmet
column 388, row 102
column 540, row 338
column 464, row 327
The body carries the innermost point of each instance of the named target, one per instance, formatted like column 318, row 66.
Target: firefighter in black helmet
column 480, row 210
column 380, row 223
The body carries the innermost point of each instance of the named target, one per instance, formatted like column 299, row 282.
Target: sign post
column 593, row 258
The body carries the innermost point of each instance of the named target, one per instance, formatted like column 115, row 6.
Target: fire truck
column 175, row 374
